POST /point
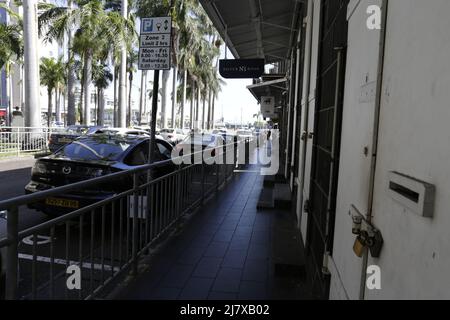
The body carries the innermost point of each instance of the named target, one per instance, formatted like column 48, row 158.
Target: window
column 95, row 148
column 165, row 150
column 139, row 156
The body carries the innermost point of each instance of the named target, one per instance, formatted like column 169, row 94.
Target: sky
column 234, row 103
column 234, row 100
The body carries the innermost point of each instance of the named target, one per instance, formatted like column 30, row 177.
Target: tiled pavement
column 222, row 253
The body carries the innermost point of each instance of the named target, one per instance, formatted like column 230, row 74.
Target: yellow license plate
column 62, row 203
column 64, row 140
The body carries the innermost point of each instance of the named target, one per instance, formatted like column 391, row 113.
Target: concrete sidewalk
column 15, row 163
column 224, row 252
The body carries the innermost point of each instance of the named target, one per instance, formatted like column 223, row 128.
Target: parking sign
column 154, row 44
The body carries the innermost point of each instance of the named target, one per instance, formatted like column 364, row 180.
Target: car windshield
column 95, row 148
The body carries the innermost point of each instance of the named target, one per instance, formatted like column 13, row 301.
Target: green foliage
column 52, row 72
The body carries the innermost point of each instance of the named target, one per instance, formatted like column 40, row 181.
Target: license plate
column 64, row 140
column 62, row 203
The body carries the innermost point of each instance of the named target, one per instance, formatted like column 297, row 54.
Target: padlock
column 359, row 247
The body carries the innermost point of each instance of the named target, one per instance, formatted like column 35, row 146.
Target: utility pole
column 30, row 30
column 122, row 112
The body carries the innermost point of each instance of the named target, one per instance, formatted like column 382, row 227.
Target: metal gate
column 326, row 143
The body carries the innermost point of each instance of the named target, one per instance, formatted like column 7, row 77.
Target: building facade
column 364, row 138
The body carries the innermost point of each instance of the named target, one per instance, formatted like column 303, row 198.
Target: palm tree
column 51, row 74
column 162, row 8
column 95, row 29
column 132, row 60
column 12, row 45
column 102, row 77
column 143, row 99
column 11, row 49
column 194, row 55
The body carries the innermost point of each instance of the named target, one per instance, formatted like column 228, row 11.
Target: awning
column 256, row 28
column 275, row 88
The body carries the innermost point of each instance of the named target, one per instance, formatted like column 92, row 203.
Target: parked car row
column 80, row 153
column 88, row 157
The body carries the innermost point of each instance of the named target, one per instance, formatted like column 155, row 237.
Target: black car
column 69, row 134
column 90, row 157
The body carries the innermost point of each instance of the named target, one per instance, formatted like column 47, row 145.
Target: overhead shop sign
column 154, row 43
column 268, row 107
column 241, row 68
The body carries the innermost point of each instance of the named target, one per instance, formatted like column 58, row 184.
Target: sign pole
column 154, row 54
column 154, row 117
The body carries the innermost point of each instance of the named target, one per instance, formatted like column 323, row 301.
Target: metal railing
column 106, row 238
column 17, row 141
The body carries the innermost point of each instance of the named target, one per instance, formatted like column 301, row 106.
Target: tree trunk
column 165, row 80
column 197, row 107
column 101, row 107
column 87, row 90
column 203, row 111
column 49, row 111
column 142, row 100
column 130, row 110
column 58, row 104
column 80, row 106
column 115, row 113
column 8, row 93
column 71, row 118
column 213, row 103
column 30, row 35
column 96, row 107
column 208, row 123
column 191, row 115
column 183, row 99
column 122, row 112
column 145, row 99
column 174, row 96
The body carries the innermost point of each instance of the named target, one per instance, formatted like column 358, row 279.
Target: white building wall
column 357, row 131
column 309, row 96
column 413, row 140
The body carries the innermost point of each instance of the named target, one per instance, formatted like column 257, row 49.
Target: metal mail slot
column 415, row 195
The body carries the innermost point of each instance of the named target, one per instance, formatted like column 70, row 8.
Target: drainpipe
column 307, row 71
column 376, row 127
column 292, row 79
